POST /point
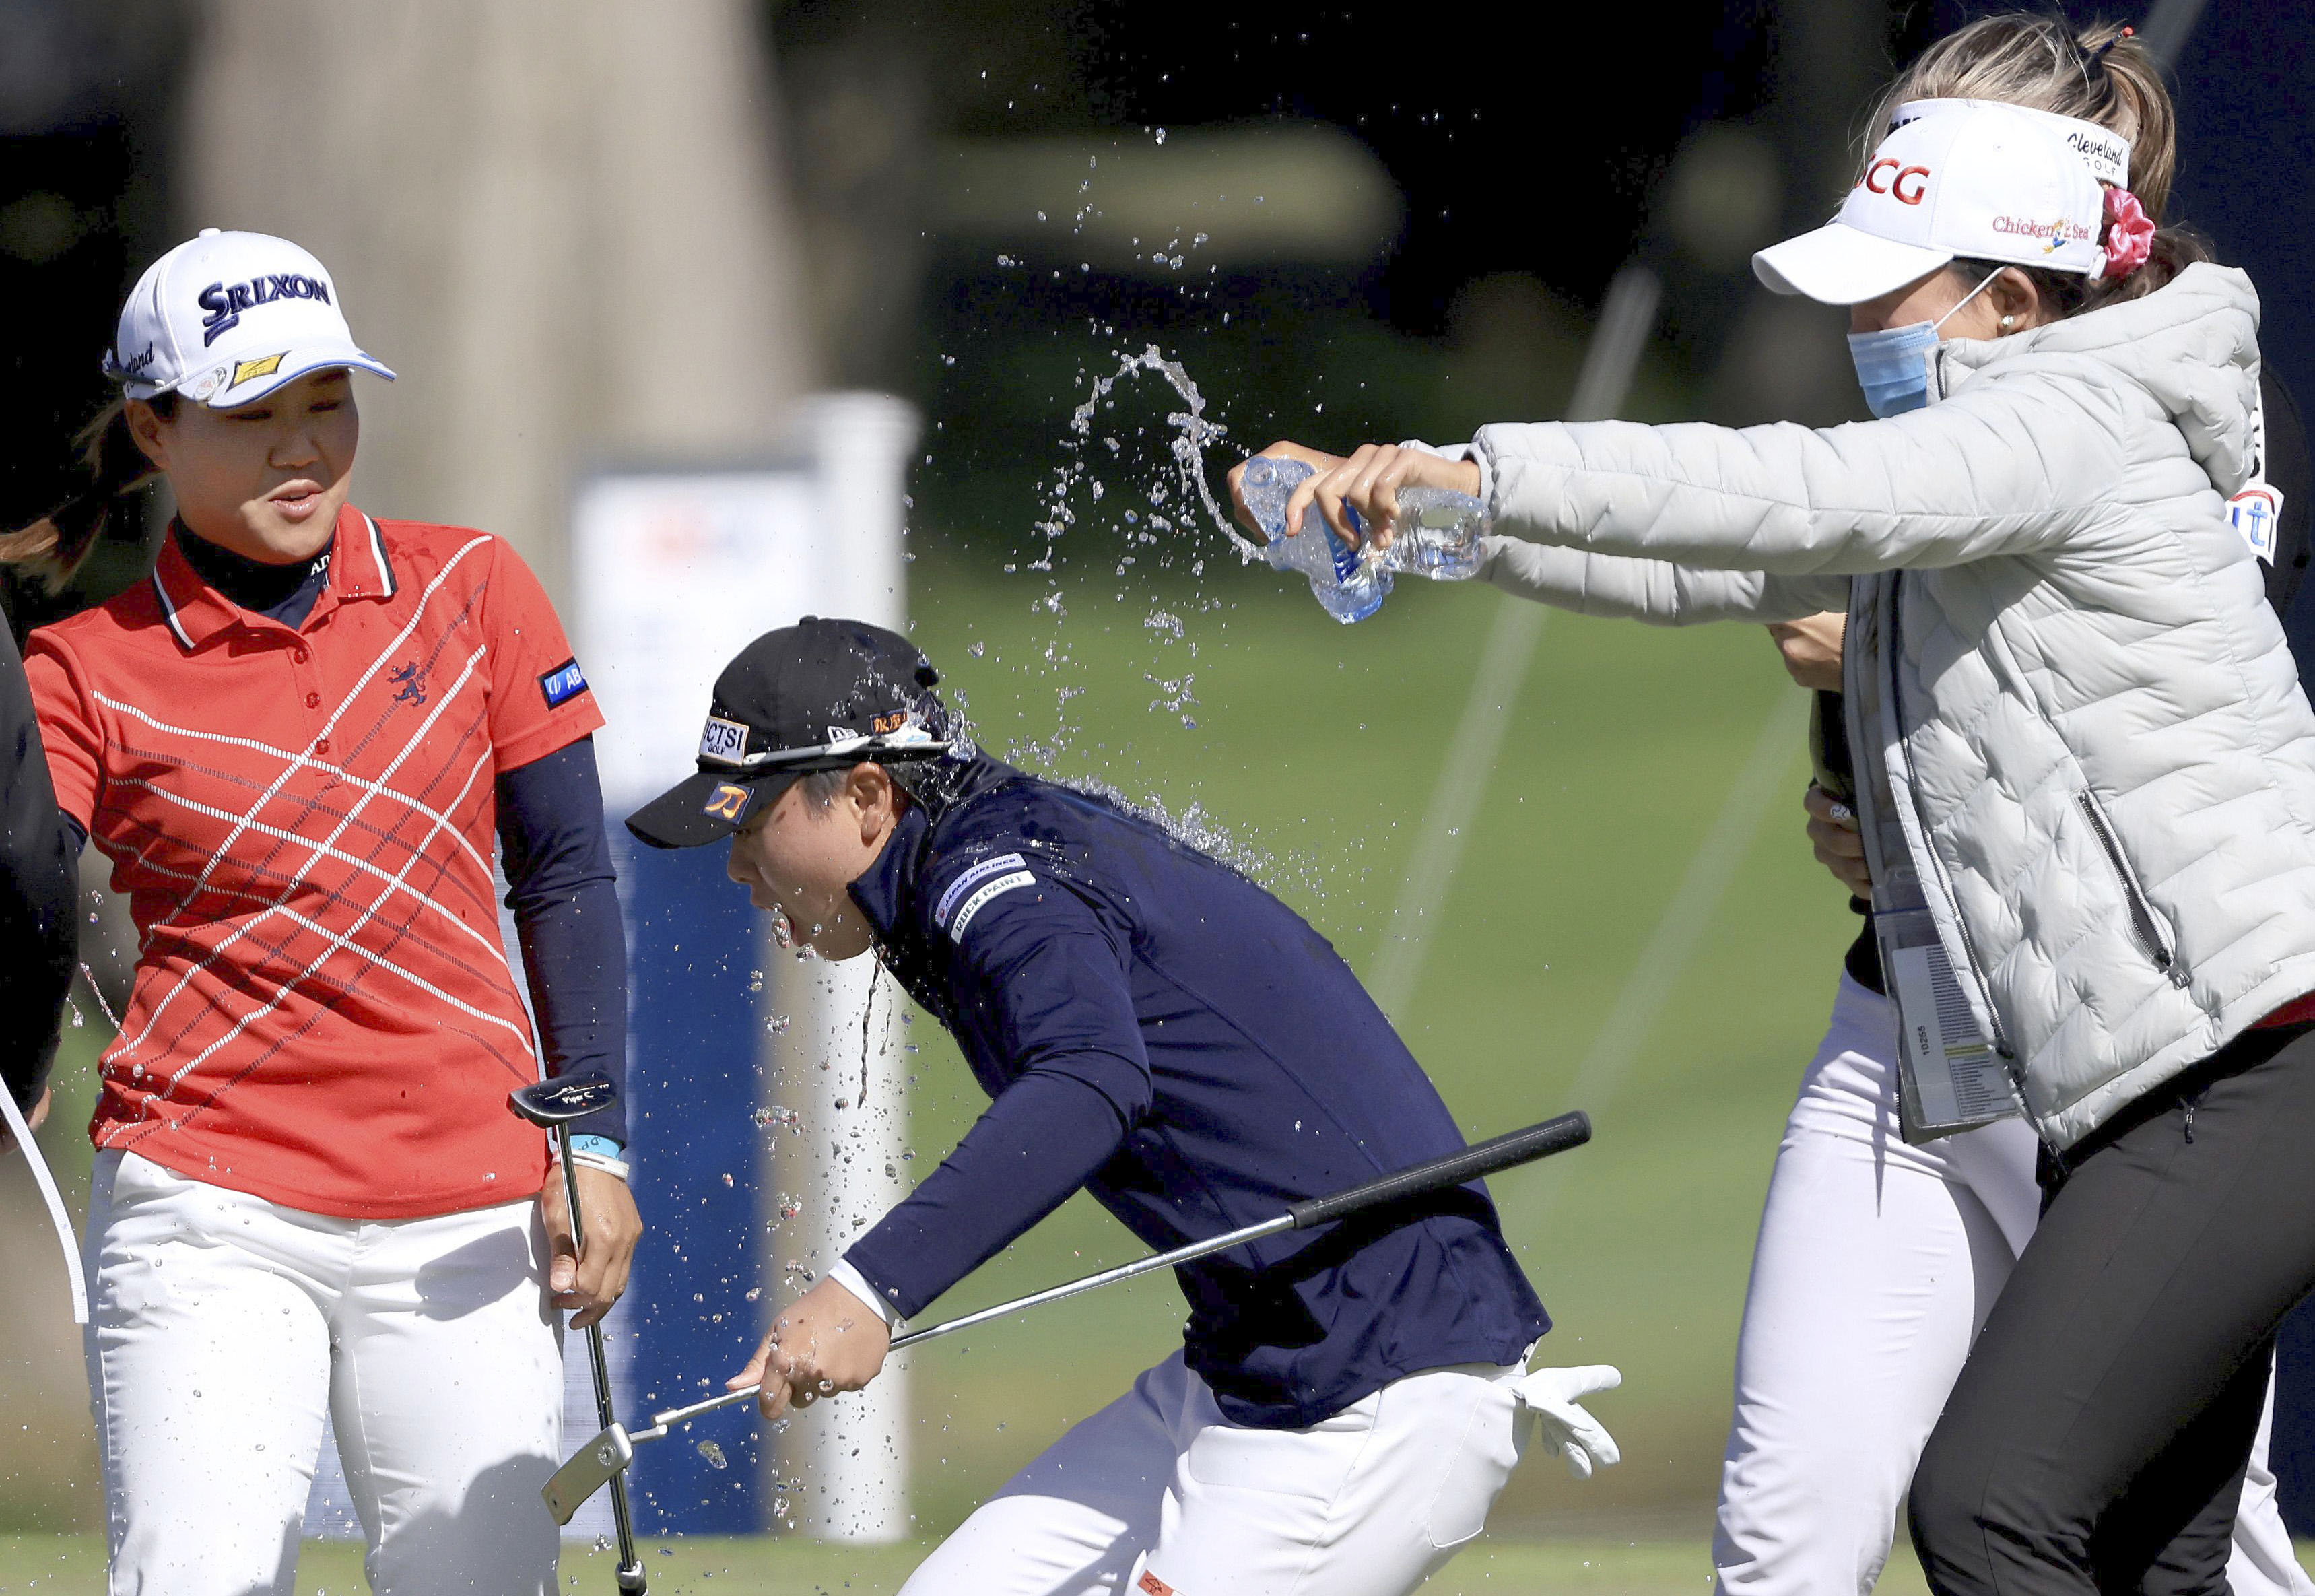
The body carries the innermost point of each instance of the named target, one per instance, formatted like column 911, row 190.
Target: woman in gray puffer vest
column 2087, row 774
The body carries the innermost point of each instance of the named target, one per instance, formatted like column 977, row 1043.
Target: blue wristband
column 602, row 1146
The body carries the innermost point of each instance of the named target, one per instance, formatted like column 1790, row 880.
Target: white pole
column 841, row 1169
column 839, row 1062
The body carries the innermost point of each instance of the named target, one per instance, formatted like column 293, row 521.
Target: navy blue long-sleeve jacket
column 1156, row 1028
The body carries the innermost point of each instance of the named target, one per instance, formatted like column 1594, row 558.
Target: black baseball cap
column 821, row 694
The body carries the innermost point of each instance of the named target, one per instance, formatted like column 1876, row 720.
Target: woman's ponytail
column 2103, row 73
column 61, row 539
column 2125, row 93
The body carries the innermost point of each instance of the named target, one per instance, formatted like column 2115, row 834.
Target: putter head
column 565, row 1098
column 590, row 1469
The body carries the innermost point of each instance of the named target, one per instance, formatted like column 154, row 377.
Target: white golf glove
column 1551, row 1394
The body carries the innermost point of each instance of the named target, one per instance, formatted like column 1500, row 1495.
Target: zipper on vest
column 1894, row 706
column 2143, row 923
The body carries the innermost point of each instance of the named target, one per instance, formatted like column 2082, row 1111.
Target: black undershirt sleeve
column 37, row 886
column 562, row 888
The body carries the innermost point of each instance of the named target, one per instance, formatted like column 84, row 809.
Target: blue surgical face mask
column 1893, row 365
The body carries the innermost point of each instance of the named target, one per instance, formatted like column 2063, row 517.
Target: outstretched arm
column 2002, row 468
column 1653, row 591
column 1657, row 591
column 1052, row 977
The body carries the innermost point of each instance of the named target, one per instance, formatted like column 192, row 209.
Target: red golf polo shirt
column 303, row 821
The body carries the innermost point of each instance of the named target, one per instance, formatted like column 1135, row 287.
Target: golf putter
column 553, row 1104
column 602, row 1460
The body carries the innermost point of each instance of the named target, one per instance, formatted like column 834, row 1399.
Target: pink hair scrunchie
column 2128, row 235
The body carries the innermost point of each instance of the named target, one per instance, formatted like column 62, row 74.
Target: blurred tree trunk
column 563, row 222
column 859, row 133
column 1788, row 359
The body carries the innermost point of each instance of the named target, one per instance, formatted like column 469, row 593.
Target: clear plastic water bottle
column 1437, row 536
column 1346, row 586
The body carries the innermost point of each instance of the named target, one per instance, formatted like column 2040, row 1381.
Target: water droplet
column 713, row 1454
column 976, row 649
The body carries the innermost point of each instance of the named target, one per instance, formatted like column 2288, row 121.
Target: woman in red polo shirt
column 295, row 742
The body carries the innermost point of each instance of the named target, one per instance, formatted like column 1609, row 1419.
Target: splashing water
column 1192, row 432
column 97, row 992
column 1193, row 827
column 1179, row 506
column 714, row 1455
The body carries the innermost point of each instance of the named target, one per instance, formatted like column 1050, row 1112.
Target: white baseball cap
column 1983, row 180
column 225, row 318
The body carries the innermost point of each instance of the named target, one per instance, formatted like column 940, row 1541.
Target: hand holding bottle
column 1417, row 526
column 1358, row 492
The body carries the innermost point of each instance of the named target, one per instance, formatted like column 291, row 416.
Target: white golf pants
column 1875, row 1266
column 222, row 1327
column 1159, row 1493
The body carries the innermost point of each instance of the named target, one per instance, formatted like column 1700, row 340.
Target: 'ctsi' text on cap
column 821, row 694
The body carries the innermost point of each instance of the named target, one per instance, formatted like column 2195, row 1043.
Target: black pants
column 2097, row 1436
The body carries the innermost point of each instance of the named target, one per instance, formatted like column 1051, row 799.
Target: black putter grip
column 1503, row 1152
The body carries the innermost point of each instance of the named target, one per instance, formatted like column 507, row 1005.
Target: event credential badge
column 1950, row 1077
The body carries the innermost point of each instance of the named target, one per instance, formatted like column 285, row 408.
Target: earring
column 2006, row 321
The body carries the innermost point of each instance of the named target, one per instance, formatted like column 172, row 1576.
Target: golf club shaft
column 1472, row 1163
column 631, row 1567
column 663, row 1422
